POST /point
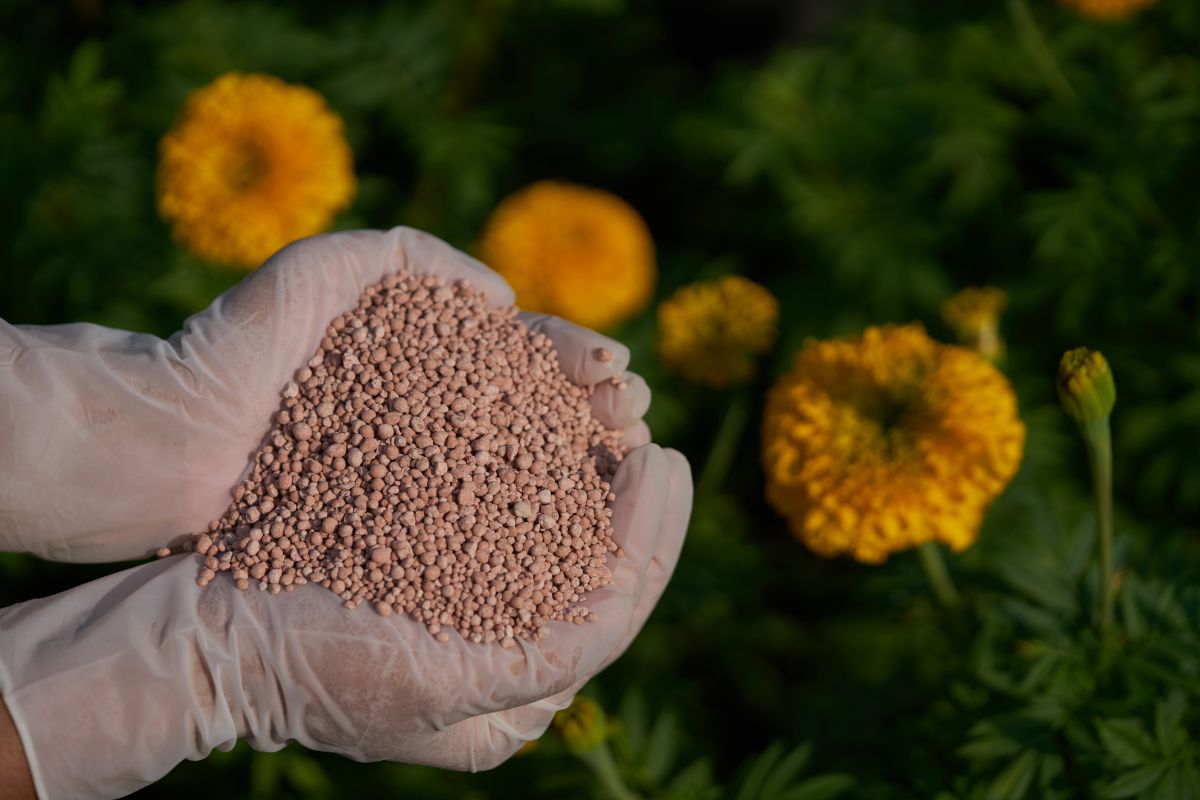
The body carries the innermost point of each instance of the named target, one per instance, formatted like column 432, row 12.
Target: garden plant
column 915, row 288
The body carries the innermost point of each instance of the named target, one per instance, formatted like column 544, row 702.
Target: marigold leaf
column 1168, row 723
column 822, row 787
column 663, row 746
column 1015, row 780
column 1127, row 741
column 632, row 715
column 694, row 782
column 790, row 767
column 760, row 768
column 1133, row 784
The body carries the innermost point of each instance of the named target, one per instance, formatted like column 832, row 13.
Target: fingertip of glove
column 617, row 356
column 681, row 468
column 647, row 457
column 621, row 405
column 639, row 394
column 586, row 357
column 636, row 435
column 680, row 492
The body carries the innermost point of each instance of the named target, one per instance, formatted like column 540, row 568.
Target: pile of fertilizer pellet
column 431, row 459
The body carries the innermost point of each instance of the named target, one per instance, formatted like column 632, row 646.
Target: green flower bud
column 1085, row 385
column 582, row 726
column 974, row 316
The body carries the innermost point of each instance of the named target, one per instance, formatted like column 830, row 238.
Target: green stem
column 480, row 38
column 1097, row 437
column 601, row 762
column 479, row 50
column 936, row 573
column 1039, row 52
column 724, row 445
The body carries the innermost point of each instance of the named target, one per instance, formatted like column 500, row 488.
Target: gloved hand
column 114, row 444
column 117, row 443
column 113, row 683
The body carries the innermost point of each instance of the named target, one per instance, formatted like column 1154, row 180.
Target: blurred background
column 862, row 161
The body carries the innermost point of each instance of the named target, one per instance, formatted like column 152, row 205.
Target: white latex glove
column 113, row 444
column 113, row 683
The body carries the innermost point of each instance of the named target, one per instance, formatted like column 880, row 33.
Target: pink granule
column 431, row 459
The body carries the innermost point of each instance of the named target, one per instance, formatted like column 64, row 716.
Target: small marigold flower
column 974, row 316
column 1108, row 10
column 875, row 444
column 527, row 748
column 710, row 332
column 583, row 254
column 1085, row 385
column 582, row 726
column 251, row 164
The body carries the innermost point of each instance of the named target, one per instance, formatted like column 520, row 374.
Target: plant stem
column 724, row 445
column 1039, row 52
column 1097, row 437
column 480, row 38
column 601, row 762
column 479, row 49
column 936, row 573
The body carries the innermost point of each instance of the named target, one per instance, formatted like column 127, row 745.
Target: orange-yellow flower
column 710, row 332
column 582, row 254
column 252, row 164
column 875, row 444
column 1108, row 9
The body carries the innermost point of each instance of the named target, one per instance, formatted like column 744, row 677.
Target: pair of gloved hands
column 114, row 444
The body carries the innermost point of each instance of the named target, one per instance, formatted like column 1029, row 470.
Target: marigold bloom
column 1108, row 9
column 875, row 444
column 251, row 164
column 710, row 332
column 974, row 316
column 583, row 254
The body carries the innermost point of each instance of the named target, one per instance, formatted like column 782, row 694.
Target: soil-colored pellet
column 430, row 459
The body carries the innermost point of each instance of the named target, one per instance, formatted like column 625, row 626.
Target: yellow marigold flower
column 710, row 332
column 1108, row 10
column 875, row 444
column 583, row 254
column 526, row 748
column 251, row 164
column 582, row 725
column 1086, row 386
column 974, row 316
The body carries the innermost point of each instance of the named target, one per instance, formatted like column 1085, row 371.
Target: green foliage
column 863, row 169
column 775, row 775
column 1020, row 148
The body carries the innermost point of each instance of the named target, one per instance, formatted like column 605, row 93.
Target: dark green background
column 861, row 160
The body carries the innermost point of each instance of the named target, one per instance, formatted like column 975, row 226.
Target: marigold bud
column 974, row 316
column 1085, row 385
column 582, row 726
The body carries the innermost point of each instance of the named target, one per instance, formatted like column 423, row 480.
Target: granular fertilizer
column 431, row 459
